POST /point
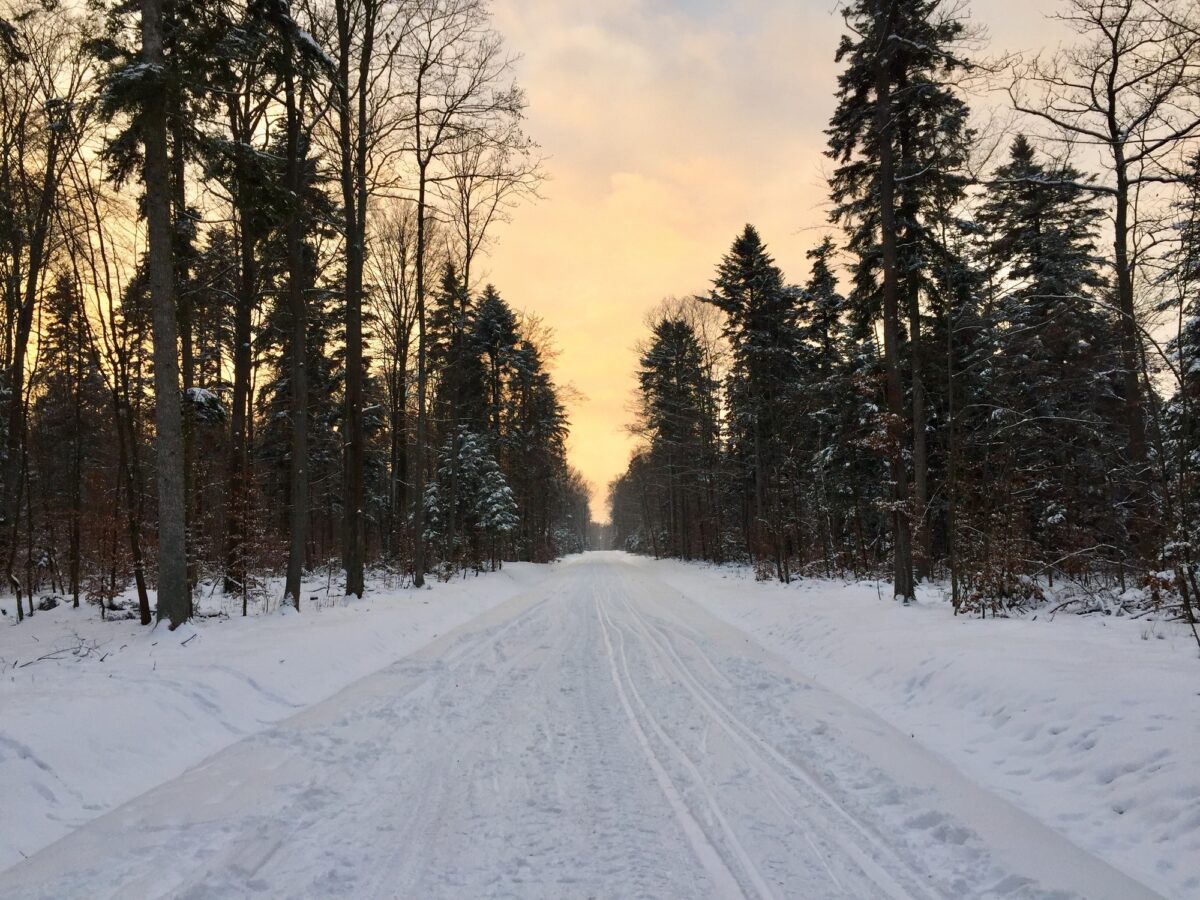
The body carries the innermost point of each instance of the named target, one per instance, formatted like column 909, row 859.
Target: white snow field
column 118, row 709
column 607, row 727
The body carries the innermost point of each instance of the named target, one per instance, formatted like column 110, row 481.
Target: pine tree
column 187, row 81
column 1125, row 89
column 677, row 419
column 174, row 595
column 235, row 153
column 899, row 138
column 454, row 360
column 300, row 450
column 434, row 523
column 1185, row 273
column 69, row 420
column 1051, row 386
column 534, row 449
column 838, row 361
column 454, row 356
column 472, row 493
column 496, row 336
column 494, row 508
column 1183, row 410
column 761, row 327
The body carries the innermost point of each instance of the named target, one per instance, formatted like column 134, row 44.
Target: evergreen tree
column 434, row 521
column 1052, row 387
column 899, row 138
column 458, row 394
column 454, row 356
column 496, row 336
column 69, row 422
column 761, row 327
column 275, row 441
column 838, row 364
column 471, row 492
column 236, row 154
column 1183, row 409
column 495, row 507
column 534, row 449
column 677, row 419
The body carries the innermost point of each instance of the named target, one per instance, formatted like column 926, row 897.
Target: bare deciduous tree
column 454, row 66
column 487, row 174
column 368, row 109
column 42, row 87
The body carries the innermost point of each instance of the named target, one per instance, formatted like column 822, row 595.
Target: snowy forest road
column 600, row 736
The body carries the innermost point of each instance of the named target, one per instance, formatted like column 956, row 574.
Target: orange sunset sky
column 667, row 126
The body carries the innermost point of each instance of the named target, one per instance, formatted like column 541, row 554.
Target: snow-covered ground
column 608, row 726
column 1092, row 723
column 119, row 708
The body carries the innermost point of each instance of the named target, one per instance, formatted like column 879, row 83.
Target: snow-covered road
column 598, row 736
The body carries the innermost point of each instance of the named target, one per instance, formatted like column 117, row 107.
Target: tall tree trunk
column 237, row 500
column 921, row 531
column 130, row 465
column 77, row 465
column 354, row 202
column 185, row 323
column 418, row 479
column 1135, row 422
column 902, row 581
column 297, row 308
column 952, row 471
column 909, row 205
column 174, row 598
column 758, row 548
column 399, row 443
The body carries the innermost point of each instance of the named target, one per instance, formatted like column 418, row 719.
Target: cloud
column 669, row 125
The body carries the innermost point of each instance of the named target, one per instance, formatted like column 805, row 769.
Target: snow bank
column 1091, row 724
column 124, row 708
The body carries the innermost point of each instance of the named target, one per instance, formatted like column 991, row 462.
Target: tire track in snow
column 756, row 751
column 723, row 878
column 594, row 739
column 392, row 869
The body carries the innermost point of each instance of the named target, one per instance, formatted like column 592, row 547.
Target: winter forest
column 271, row 211
column 986, row 377
column 600, row 449
column 989, row 375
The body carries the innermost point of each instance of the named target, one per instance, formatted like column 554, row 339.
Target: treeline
column 1000, row 390
column 242, row 329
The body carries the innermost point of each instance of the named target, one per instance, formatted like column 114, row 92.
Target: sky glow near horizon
column 667, row 126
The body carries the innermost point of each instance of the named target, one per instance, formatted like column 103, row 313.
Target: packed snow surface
column 93, row 713
column 606, row 727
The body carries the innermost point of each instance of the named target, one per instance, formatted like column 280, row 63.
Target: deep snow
column 600, row 728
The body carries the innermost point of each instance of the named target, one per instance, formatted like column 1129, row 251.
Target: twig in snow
column 53, row 654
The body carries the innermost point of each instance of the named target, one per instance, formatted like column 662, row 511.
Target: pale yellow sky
column 668, row 125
